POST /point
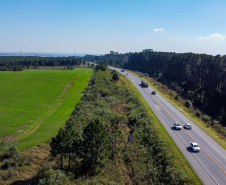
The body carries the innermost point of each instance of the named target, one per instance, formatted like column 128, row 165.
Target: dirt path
column 40, row 120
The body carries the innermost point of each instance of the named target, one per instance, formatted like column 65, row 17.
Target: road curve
column 210, row 162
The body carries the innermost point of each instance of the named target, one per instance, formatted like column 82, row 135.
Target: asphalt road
column 210, row 162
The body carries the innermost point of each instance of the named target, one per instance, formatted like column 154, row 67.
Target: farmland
column 34, row 104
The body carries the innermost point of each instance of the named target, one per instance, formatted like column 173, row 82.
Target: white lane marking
column 178, row 114
column 170, row 106
column 180, row 137
column 158, row 107
column 184, row 143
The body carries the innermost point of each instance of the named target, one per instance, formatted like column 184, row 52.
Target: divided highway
column 210, row 162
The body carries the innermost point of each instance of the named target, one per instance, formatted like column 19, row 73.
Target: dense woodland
column 113, row 59
column 199, row 78
column 18, row 63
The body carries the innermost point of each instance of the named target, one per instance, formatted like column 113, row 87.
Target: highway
column 210, row 162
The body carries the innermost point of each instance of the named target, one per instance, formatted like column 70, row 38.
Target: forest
column 18, row 63
column 199, row 78
column 112, row 59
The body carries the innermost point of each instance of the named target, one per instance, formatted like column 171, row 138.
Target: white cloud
column 215, row 36
column 201, row 38
column 158, row 29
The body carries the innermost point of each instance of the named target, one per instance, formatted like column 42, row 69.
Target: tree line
column 115, row 59
column 18, row 63
column 199, row 78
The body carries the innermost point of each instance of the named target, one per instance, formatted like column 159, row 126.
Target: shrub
column 188, row 104
column 198, row 113
column 115, row 77
column 9, row 173
column 6, row 164
column 9, row 145
column 52, row 177
column 19, row 159
column 111, row 100
column 206, row 118
column 176, row 97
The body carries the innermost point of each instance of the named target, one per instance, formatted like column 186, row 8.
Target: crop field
column 34, row 104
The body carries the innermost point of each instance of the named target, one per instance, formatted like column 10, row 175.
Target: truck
column 144, row 84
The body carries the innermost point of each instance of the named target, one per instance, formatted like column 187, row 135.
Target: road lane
column 210, row 162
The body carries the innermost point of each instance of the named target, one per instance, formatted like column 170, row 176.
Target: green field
column 34, row 104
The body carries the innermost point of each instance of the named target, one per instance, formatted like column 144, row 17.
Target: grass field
column 34, row 104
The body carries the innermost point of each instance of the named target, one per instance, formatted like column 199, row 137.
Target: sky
column 100, row 26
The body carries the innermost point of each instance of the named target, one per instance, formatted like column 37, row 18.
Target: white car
column 187, row 126
column 194, row 147
column 177, row 126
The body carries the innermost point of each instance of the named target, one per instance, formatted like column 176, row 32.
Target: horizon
column 83, row 54
column 123, row 26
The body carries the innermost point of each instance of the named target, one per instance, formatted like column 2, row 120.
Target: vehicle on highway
column 153, row 92
column 187, row 126
column 177, row 126
column 122, row 70
column 144, row 84
column 127, row 74
column 194, row 147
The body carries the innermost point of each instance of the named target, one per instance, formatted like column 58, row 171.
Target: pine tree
column 59, row 145
column 95, row 148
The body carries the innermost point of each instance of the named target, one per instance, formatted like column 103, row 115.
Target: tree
column 95, row 148
column 59, row 145
column 101, row 66
column 73, row 144
column 115, row 77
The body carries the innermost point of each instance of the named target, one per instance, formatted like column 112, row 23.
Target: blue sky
column 98, row 26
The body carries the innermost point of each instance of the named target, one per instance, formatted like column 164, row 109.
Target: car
column 144, row 84
column 177, row 126
column 153, row 92
column 195, row 147
column 187, row 126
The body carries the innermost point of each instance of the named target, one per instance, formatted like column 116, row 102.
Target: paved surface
column 210, row 162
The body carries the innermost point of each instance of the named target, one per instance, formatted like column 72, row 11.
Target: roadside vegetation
column 197, row 81
column 216, row 131
column 97, row 134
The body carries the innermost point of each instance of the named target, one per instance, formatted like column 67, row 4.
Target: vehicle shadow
column 189, row 150
column 142, row 86
column 173, row 128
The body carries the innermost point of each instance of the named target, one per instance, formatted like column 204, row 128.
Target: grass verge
column 168, row 94
column 180, row 160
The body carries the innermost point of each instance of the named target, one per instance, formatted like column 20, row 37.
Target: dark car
column 144, row 84
column 153, row 92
